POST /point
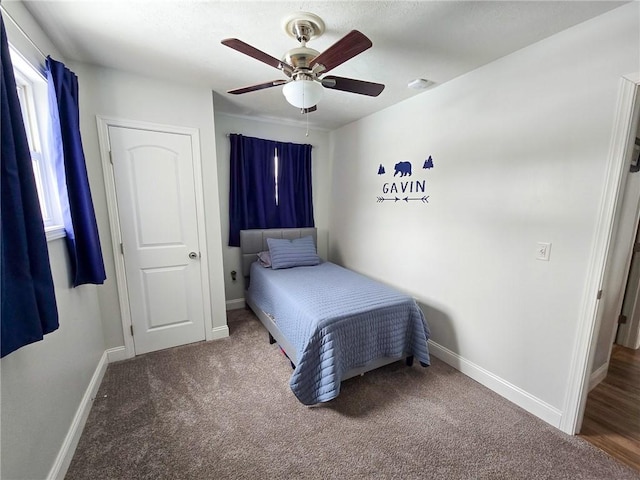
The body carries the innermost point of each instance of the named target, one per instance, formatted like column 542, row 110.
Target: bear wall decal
column 405, row 187
column 403, row 168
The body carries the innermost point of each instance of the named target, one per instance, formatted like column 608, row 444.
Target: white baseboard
column 235, row 304
column 68, row 448
column 507, row 390
column 117, row 354
column 220, row 332
column 63, row 460
column 599, row 375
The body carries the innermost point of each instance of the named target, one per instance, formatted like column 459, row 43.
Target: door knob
column 193, row 255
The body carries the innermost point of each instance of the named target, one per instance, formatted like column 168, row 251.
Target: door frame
column 601, row 255
column 104, row 122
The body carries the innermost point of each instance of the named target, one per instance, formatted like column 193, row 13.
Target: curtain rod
column 229, row 134
column 4, row 12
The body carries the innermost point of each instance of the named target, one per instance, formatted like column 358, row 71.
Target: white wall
column 319, row 139
column 43, row 383
column 519, row 149
column 114, row 93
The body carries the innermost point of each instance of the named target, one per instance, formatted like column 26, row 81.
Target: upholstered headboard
column 253, row 242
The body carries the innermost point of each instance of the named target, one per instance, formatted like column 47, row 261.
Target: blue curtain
column 252, row 186
column 252, row 192
column 294, row 185
column 83, row 242
column 27, row 295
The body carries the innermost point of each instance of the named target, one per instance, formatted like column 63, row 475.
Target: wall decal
column 424, row 199
column 403, row 168
column 404, row 187
column 397, row 187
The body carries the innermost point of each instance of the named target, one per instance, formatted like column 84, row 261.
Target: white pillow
column 264, row 259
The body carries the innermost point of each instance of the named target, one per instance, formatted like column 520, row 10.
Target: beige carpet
column 223, row 410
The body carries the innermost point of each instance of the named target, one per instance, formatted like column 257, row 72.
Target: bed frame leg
column 409, row 360
column 271, row 340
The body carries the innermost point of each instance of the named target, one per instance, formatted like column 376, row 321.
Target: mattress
column 337, row 320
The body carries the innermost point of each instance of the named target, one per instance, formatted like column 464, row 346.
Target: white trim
column 598, row 376
column 104, row 123
column 202, row 237
column 219, row 332
column 274, row 120
column 235, row 304
column 34, row 104
column 114, row 223
column 588, row 321
column 514, row 394
column 116, row 354
column 68, row 448
column 55, row 232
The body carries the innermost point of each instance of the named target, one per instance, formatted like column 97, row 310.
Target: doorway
column 628, row 334
column 157, row 221
column 609, row 264
column 613, row 403
column 611, row 418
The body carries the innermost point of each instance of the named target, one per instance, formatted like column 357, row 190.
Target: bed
column 332, row 323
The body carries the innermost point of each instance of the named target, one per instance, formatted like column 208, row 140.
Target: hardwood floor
column 612, row 415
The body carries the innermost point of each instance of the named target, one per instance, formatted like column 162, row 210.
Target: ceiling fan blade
column 347, row 47
column 352, row 85
column 253, row 52
column 260, row 86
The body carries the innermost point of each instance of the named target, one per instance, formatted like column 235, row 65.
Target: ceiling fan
column 304, row 66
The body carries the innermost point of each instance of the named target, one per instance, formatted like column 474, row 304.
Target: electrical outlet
column 543, row 251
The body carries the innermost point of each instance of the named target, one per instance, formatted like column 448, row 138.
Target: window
column 269, row 185
column 275, row 174
column 34, row 103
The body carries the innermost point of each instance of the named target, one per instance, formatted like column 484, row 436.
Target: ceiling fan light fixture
column 303, row 93
column 303, row 65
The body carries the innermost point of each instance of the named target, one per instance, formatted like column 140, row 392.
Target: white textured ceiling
column 179, row 40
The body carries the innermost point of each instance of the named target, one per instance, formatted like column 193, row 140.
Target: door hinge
column 131, row 328
column 599, row 295
column 622, row 319
column 122, row 248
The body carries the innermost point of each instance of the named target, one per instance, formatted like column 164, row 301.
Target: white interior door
column 156, row 199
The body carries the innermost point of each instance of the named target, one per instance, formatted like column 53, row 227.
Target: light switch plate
column 543, row 251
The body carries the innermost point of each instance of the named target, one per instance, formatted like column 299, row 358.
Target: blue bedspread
column 337, row 320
